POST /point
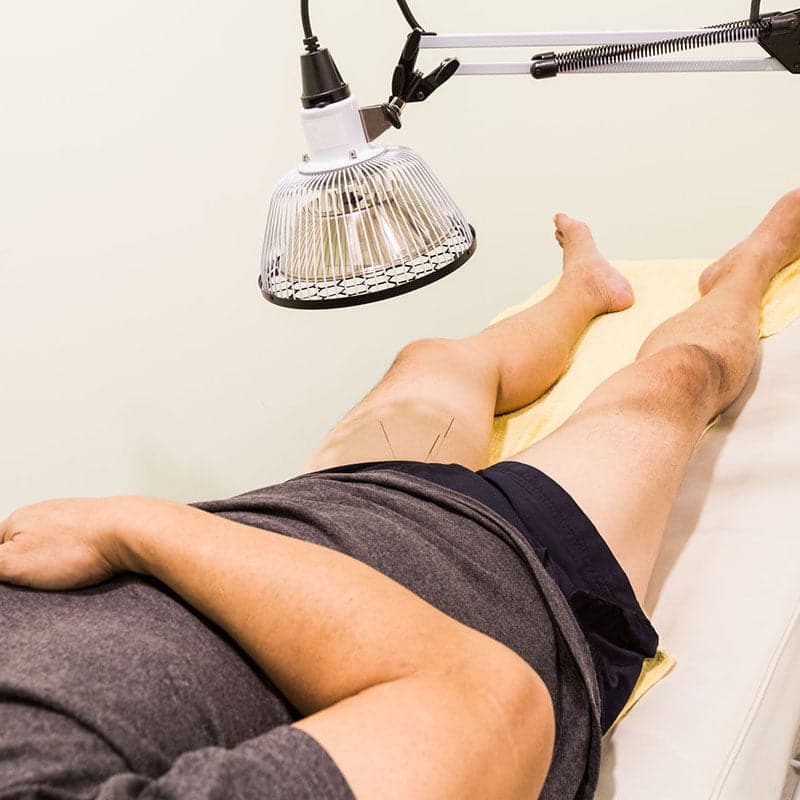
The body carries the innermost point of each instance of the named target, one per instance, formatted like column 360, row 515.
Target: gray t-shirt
column 125, row 679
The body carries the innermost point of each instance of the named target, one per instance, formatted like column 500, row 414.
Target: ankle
column 592, row 299
column 748, row 267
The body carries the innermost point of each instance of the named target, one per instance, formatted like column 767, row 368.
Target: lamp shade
column 353, row 233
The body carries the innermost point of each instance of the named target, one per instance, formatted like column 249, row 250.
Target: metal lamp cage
column 360, row 233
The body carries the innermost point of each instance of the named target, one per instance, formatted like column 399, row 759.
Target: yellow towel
column 662, row 289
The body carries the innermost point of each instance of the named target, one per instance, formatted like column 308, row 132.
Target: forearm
column 322, row 625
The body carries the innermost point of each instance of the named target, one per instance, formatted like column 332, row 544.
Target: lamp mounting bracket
column 782, row 40
column 409, row 85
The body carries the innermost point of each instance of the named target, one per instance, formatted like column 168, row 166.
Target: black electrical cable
column 312, row 43
column 307, row 32
column 755, row 10
column 410, row 18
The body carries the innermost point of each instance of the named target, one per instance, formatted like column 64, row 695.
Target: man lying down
column 420, row 627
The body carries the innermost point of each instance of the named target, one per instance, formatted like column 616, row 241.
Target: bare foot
column 773, row 245
column 584, row 263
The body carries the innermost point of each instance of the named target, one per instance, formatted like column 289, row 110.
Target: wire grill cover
column 379, row 227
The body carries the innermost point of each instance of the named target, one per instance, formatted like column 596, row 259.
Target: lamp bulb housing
column 321, row 80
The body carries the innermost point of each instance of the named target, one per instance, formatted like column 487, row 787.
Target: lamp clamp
column 409, row 85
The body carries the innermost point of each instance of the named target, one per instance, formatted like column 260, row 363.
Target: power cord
column 311, row 42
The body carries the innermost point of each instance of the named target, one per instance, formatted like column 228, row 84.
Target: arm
column 320, row 624
column 406, row 701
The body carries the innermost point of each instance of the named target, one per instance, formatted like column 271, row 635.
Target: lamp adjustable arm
column 633, row 51
column 615, row 52
column 765, row 30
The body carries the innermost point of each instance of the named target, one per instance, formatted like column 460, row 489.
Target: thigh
column 622, row 457
column 436, row 403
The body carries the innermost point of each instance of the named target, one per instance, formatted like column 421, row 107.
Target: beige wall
column 138, row 146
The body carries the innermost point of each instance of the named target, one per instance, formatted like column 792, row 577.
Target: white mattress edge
column 766, row 713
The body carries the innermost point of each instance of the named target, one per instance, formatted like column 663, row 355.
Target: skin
column 451, row 693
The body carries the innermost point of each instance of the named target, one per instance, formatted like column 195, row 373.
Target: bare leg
column 624, row 452
column 534, row 347
column 438, row 400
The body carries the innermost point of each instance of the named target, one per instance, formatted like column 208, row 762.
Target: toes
column 561, row 221
column 793, row 196
column 566, row 223
column 572, row 232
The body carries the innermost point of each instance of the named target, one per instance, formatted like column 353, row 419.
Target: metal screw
column 353, row 154
column 306, row 157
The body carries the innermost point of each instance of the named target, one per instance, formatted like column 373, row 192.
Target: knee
column 687, row 372
column 437, row 348
column 526, row 705
column 464, row 356
column 512, row 705
column 526, row 708
column 423, row 348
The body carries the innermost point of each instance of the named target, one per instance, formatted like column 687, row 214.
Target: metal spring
column 727, row 33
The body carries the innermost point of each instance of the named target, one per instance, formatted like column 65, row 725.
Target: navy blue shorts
column 572, row 551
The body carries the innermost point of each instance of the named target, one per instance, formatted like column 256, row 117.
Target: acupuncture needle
column 441, row 444
column 386, row 435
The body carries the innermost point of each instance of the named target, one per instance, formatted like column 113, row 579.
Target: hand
column 60, row 544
